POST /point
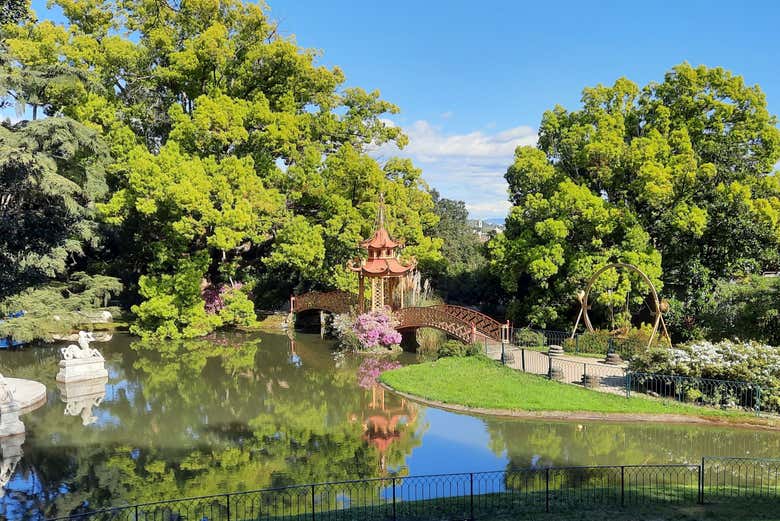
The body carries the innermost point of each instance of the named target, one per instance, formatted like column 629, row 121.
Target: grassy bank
column 478, row 382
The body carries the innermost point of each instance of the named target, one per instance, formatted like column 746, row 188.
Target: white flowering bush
column 752, row 362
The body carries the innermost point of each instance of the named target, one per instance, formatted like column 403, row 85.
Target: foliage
column 57, row 307
column 235, row 156
column 462, row 275
column 747, row 309
column 342, row 326
column 376, row 328
column 529, row 338
column 675, row 178
column 481, row 382
column 13, row 11
column 51, row 174
column 459, row 349
column 428, row 341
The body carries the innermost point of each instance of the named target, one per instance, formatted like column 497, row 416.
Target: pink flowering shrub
column 371, row 368
column 376, row 328
column 215, row 297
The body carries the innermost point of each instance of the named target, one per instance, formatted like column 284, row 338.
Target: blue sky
column 473, row 78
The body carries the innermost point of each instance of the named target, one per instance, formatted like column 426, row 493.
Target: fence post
column 549, row 366
column 503, row 356
column 547, row 489
column 628, row 384
column 471, row 496
column 227, row 500
column 312, row 502
column 584, row 372
column 758, row 401
column 622, row 486
column 136, row 514
column 394, row 513
column 522, row 356
column 577, row 343
column 701, row 482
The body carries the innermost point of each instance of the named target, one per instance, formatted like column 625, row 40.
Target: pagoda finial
column 380, row 213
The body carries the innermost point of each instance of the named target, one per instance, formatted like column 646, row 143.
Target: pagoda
column 382, row 267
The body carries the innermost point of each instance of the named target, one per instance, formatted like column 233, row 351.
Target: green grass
column 483, row 383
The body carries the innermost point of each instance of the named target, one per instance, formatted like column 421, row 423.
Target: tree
column 675, row 178
column 236, row 157
column 463, row 274
column 13, row 11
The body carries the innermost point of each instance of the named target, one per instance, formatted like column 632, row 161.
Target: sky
column 472, row 79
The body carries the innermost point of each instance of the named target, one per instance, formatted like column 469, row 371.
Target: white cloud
column 469, row 167
column 446, row 115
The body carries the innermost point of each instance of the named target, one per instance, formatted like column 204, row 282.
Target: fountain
column 82, row 397
column 10, row 424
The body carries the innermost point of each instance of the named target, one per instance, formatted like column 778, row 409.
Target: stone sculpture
column 80, row 362
column 82, row 350
column 10, row 424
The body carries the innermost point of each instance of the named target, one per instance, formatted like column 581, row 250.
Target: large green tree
column 237, row 159
column 676, row 177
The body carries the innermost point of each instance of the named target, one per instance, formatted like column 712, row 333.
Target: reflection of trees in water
column 203, row 417
column 530, row 443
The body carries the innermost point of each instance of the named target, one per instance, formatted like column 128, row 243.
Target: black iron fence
column 476, row 495
column 723, row 394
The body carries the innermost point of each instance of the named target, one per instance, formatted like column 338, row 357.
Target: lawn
column 482, row 383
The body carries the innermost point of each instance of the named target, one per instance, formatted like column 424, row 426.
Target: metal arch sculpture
column 583, row 297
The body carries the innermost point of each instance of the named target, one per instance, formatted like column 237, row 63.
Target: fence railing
column 725, row 394
column 476, row 495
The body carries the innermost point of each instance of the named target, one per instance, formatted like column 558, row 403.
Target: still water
column 240, row 412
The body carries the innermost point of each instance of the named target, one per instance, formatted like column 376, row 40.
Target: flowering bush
column 376, row 328
column 342, row 329
column 725, row 360
column 215, row 296
column 231, row 303
column 371, row 368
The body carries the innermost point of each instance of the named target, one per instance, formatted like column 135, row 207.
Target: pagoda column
column 361, row 293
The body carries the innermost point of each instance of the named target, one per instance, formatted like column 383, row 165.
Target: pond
column 246, row 411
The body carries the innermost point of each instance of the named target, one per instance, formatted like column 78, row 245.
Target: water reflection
column 82, row 398
column 242, row 411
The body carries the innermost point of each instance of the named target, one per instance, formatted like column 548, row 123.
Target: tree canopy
column 675, row 177
column 234, row 156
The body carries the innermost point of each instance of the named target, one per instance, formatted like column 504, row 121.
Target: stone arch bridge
column 459, row 322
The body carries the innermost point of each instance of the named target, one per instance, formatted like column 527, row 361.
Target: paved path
column 611, row 378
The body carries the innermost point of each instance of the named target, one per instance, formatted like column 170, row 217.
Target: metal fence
column 724, row 394
column 477, row 495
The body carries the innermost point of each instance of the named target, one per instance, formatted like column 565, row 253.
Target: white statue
column 82, row 350
column 6, row 391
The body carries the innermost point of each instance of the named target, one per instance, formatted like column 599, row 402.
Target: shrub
column 458, row 348
column 592, row 341
column 725, row 360
column 529, row 338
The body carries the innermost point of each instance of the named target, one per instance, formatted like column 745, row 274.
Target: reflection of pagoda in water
column 387, row 421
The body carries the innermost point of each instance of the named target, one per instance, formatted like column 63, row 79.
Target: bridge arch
column 463, row 323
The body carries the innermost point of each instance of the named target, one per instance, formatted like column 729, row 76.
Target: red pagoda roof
column 381, row 239
column 382, row 266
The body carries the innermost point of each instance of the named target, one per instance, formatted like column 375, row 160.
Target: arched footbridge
column 459, row 322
